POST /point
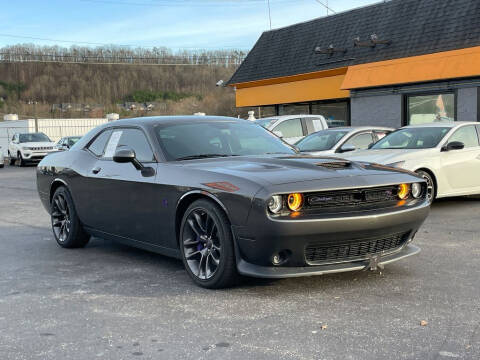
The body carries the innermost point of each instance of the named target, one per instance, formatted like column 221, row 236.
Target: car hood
column 387, row 156
column 276, row 170
column 37, row 144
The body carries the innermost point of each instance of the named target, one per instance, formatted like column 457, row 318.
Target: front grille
column 41, row 148
column 354, row 250
column 352, row 198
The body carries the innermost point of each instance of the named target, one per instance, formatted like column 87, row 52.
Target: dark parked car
column 67, row 142
column 228, row 197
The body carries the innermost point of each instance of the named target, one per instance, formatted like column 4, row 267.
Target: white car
column 341, row 140
column 445, row 154
column 29, row 147
column 293, row 128
column 2, row 159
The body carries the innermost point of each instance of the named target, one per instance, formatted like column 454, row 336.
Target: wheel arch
column 54, row 186
column 187, row 199
column 432, row 174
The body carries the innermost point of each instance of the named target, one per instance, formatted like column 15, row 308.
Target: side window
column 313, row 125
column 134, row 139
column 98, row 145
column 360, row 141
column 380, row 134
column 467, row 135
column 290, row 128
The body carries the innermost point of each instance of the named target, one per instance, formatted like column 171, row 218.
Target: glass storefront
column 337, row 113
column 423, row 109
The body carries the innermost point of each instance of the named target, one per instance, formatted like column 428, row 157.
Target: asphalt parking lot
column 115, row 302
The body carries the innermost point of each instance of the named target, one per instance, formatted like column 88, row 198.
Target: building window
column 423, row 109
column 336, row 113
column 293, row 109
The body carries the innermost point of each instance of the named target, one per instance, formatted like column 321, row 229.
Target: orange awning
column 299, row 88
column 444, row 65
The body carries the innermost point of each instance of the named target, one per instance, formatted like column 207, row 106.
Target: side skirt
column 175, row 253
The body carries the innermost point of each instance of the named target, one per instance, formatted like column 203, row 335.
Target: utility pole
column 269, row 14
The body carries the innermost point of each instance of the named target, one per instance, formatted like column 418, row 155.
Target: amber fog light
column 295, row 201
column 417, row 190
column 403, row 191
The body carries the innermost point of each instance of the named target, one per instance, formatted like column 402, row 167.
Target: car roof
column 285, row 117
column 154, row 120
column 361, row 128
column 450, row 124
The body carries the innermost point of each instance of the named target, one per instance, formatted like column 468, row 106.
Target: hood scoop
column 335, row 165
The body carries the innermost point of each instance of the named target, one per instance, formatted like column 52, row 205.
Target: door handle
column 96, row 170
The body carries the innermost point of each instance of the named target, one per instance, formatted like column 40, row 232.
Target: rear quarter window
column 97, row 147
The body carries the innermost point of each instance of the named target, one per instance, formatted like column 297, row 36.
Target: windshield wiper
column 202, row 156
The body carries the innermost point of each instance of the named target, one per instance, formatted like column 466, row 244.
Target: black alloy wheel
column 66, row 226
column 206, row 244
column 431, row 191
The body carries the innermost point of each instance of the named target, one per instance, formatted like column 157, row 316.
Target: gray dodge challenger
column 229, row 198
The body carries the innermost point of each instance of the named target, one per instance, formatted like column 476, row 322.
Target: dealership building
column 392, row 64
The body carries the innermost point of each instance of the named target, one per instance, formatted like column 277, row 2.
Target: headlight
column 417, row 190
column 398, row 164
column 275, row 204
column 295, row 201
column 25, row 148
column 403, row 191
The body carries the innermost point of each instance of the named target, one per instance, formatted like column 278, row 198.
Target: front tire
column 66, row 226
column 20, row 161
column 431, row 189
column 206, row 245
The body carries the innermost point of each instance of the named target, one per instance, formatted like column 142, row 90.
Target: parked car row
column 32, row 147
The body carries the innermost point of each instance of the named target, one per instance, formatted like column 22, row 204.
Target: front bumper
column 262, row 238
column 35, row 156
column 271, row 272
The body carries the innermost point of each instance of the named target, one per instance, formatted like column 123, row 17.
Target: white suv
column 29, row 147
column 293, row 128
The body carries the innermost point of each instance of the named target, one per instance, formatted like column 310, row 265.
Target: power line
column 110, row 44
column 326, row 6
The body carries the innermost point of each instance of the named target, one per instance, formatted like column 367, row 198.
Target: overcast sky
column 175, row 24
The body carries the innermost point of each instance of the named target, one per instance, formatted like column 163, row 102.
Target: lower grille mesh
column 354, row 250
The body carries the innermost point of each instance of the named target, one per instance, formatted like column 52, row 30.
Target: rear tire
column 66, row 226
column 206, row 245
column 431, row 188
column 11, row 159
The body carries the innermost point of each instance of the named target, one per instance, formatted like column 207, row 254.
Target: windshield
column 321, row 141
column 217, row 139
column 33, row 137
column 413, row 138
column 265, row 122
column 72, row 140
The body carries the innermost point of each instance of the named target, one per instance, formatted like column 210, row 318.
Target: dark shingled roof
column 415, row 27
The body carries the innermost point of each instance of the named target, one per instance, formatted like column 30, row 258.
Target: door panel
column 462, row 167
column 127, row 202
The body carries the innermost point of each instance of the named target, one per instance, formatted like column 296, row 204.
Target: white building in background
column 55, row 129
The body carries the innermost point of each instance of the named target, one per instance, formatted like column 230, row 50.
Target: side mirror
column 347, row 148
column 278, row 133
column 127, row 155
column 454, row 145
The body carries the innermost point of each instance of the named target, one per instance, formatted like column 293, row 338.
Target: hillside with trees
column 86, row 82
